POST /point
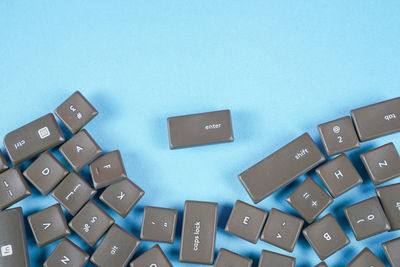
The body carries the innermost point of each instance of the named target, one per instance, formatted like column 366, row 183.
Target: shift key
column 281, row 167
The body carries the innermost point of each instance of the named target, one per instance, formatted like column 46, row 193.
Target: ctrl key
column 66, row 253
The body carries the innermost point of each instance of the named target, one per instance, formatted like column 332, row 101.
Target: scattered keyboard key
column 246, row 221
column 339, row 175
column 272, row 259
column 391, row 249
column 200, row 129
column 382, row 163
column 107, row 169
column 13, row 187
column 45, row 173
column 3, row 163
column 80, row 150
column 122, row 196
column 33, row 138
column 91, row 223
column 48, row 225
column 227, row 258
column 13, row 243
column 272, row 173
column 390, row 199
column 338, row 136
column 366, row 259
column 116, row 249
column 326, row 236
column 309, row 200
column 67, row 253
column 73, row 192
column 75, row 112
column 321, row 264
column 282, row 230
column 198, row 232
column 159, row 224
column 377, row 120
column 367, row 218
column 154, row 257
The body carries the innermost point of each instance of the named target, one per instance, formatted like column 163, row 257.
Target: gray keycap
column 3, row 163
column 309, row 200
column 122, row 196
column 107, row 169
column 200, row 129
column 367, row 218
column 390, row 199
column 246, row 221
column 91, row 223
column 227, row 258
column 159, row 224
column 198, row 232
column 13, row 187
column 67, row 254
column 326, row 236
column 80, row 150
column 272, row 173
column 75, row 112
column 45, row 173
column 73, row 192
column 282, row 230
column 116, row 249
column 338, row 136
column 272, row 259
column 321, row 264
column 382, row 163
column 48, row 225
column 377, row 120
column 391, row 249
column 339, row 175
column 33, row 138
column 366, row 259
column 13, row 243
column 154, row 257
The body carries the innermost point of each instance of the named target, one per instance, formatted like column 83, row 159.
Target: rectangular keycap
column 154, row 257
column 273, row 259
column 391, row 249
column 389, row 197
column 281, row 167
column 33, row 138
column 377, row 120
column 228, row 258
column 13, row 187
column 198, row 232
column 200, row 129
column 67, row 253
column 13, row 245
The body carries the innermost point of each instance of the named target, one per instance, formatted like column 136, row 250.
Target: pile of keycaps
column 90, row 222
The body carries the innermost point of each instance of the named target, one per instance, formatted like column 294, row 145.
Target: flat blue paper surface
column 281, row 67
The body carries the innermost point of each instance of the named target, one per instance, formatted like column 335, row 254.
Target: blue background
column 281, row 67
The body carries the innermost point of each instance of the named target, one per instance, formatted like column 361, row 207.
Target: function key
column 159, row 224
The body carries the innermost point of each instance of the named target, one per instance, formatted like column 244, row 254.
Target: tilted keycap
column 391, row 249
column 272, row 259
column 389, row 197
column 366, row 259
column 33, row 138
column 3, row 163
column 159, row 224
column 154, row 257
column 13, row 187
column 67, row 254
column 228, row 258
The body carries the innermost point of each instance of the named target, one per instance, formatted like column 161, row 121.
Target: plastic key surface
column 3, row 163
column 389, row 197
column 366, row 259
column 227, row 258
column 273, row 259
column 159, row 224
column 67, row 254
column 391, row 249
column 13, row 187
column 153, row 257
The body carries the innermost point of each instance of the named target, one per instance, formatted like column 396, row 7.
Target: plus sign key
column 390, row 199
column 159, row 224
column 67, row 254
column 107, row 169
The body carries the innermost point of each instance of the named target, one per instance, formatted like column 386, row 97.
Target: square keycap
column 91, row 223
column 246, row 221
column 107, row 169
column 228, row 258
column 159, row 224
column 321, row 264
column 272, row 259
column 367, row 218
column 45, row 173
column 382, row 163
column 80, row 150
column 366, row 259
column 73, row 192
column 153, row 257
column 48, row 225
column 75, row 112
column 391, row 249
column 116, row 249
column 339, row 175
column 122, row 196
column 309, row 200
column 326, row 236
column 338, row 136
column 390, row 199
column 67, row 254
column 282, row 229
column 13, row 187
column 3, row 163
